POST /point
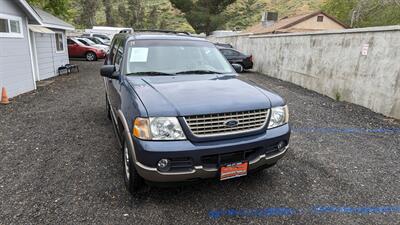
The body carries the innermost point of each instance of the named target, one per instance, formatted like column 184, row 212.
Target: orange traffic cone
column 4, row 97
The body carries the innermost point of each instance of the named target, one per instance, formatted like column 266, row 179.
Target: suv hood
column 197, row 94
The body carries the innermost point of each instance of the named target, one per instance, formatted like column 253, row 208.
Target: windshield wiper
column 199, row 72
column 152, row 73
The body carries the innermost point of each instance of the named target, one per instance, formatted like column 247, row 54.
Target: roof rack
column 164, row 31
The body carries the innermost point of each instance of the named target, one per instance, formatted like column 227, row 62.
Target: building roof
column 43, row 18
column 32, row 15
column 284, row 25
column 51, row 21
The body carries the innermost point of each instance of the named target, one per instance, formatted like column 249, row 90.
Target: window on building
column 320, row 19
column 59, row 42
column 14, row 26
column 4, row 26
column 10, row 26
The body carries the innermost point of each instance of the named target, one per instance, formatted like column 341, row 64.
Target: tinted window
column 70, row 42
column 114, row 50
column 228, row 52
column 119, row 56
column 84, row 42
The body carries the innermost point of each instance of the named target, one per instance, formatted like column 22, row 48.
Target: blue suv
column 180, row 113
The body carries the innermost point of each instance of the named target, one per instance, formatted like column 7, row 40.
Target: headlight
column 158, row 128
column 279, row 116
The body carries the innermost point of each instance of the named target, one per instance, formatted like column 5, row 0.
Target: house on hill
column 33, row 45
column 310, row 22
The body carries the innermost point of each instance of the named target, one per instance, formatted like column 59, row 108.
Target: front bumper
column 199, row 172
column 149, row 152
column 101, row 55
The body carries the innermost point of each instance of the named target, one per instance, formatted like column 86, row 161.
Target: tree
column 204, row 15
column 108, row 10
column 341, row 9
column 88, row 13
column 58, row 8
column 365, row 13
column 244, row 13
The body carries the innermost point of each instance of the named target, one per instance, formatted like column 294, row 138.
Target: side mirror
column 237, row 67
column 108, row 71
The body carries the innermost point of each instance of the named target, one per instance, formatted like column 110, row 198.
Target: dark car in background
column 236, row 57
column 76, row 49
column 180, row 113
column 223, row 45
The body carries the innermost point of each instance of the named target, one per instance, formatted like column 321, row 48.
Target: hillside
column 248, row 12
column 160, row 14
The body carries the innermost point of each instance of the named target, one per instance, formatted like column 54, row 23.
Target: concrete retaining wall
column 360, row 66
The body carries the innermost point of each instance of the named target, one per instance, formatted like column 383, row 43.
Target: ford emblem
column 231, row 123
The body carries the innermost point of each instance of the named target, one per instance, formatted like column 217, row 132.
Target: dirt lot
column 59, row 165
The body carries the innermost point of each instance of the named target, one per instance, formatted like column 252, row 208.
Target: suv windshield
column 170, row 57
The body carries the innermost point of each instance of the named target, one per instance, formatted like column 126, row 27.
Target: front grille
column 227, row 158
column 218, row 124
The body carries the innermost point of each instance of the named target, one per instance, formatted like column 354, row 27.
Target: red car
column 78, row 50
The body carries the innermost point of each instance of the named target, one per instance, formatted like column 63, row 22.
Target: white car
column 100, row 41
column 88, row 42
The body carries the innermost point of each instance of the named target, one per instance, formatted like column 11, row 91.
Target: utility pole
column 353, row 17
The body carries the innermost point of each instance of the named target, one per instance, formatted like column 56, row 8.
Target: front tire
column 133, row 181
column 91, row 56
column 241, row 68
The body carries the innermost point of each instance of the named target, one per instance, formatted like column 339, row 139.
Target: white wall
column 49, row 60
column 331, row 63
column 15, row 62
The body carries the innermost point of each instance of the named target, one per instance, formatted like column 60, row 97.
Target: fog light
column 281, row 145
column 164, row 165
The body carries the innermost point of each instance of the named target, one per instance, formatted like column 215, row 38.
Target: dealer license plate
column 234, row 170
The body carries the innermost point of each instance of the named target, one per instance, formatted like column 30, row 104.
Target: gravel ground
column 59, row 164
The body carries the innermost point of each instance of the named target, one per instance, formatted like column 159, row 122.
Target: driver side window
column 117, row 52
column 113, row 51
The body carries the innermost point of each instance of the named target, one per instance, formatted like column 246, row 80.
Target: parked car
column 128, row 30
column 102, row 36
column 88, row 42
column 181, row 114
column 234, row 56
column 223, row 45
column 78, row 50
column 99, row 41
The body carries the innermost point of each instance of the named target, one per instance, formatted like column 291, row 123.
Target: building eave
column 57, row 26
column 30, row 11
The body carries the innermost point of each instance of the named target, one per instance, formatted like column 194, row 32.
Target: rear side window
column 84, row 42
column 113, row 51
column 70, row 42
column 116, row 53
column 119, row 56
column 228, row 52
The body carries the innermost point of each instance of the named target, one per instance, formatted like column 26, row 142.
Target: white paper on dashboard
column 139, row 55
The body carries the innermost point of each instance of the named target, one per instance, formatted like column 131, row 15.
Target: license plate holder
column 233, row 170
